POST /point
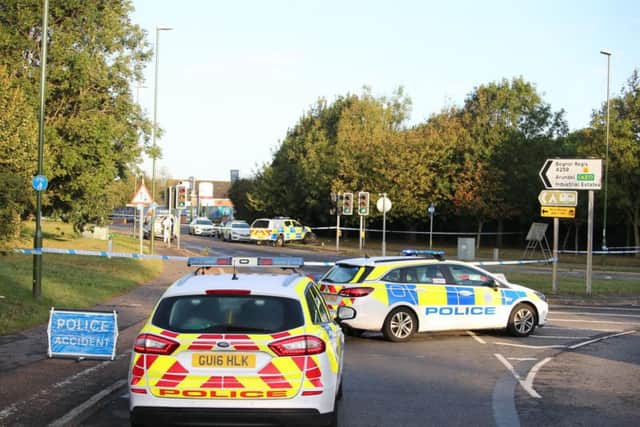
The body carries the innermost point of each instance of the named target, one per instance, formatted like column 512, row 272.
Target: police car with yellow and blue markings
column 230, row 349
column 424, row 292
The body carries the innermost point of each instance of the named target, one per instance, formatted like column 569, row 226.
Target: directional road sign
column 558, row 198
column 558, row 212
column 572, row 174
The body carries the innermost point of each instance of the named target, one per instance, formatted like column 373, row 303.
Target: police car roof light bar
column 281, row 262
column 439, row 255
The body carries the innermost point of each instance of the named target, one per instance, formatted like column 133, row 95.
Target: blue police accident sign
column 88, row 334
column 40, row 182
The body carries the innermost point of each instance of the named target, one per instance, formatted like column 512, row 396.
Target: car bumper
column 228, row 417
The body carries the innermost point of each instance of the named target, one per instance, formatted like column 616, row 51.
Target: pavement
column 59, row 386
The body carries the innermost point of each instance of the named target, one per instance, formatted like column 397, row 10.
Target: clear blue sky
column 235, row 75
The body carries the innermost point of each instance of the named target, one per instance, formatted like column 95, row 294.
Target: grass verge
column 68, row 281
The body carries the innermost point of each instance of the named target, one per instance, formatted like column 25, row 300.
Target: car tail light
column 303, row 345
column 228, row 292
column 154, row 344
column 355, row 292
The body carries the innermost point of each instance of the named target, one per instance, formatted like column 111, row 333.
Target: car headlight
column 540, row 295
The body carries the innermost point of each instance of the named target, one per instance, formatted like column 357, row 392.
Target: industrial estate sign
column 572, row 174
column 88, row 334
column 558, row 198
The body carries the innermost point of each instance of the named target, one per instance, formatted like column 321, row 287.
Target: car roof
column 284, row 285
column 382, row 260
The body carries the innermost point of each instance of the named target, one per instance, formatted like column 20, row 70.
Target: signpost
column 363, row 210
column 384, row 205
column 82, row 334
column 141, row 199
column 569, row 174
column 432, row 210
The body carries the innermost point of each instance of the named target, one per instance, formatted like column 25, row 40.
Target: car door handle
column 465, row 293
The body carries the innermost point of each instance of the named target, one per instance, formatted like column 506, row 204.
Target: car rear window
column 228, row 314
column 341, row 273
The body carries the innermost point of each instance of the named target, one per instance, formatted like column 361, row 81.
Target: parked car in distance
column 201, row 226
column 236, row 231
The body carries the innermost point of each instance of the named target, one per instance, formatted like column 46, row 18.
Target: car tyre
column 334, row 415
column 400, row 325
column 279, row 241
column 340, row 392
column 352, row 332
column 522, row 320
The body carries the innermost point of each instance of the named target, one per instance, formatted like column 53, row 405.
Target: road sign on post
column 558, row 211
column 363, row 203
column 558, row 198
column 572, row 174
column 347, row 204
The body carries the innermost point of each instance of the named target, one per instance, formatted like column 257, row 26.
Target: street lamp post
column 37, row 240
column 154, row 134
column 606, row 158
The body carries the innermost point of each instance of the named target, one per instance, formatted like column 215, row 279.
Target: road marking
column 564, row 328
column 70, row 416
column 589, row 321
column 522, row 359
column 526, row 385
column 577, row 313
column 582, row 344
column 537, row 347
column 556, row 337
column 595, row 307
column 14, row 407
column 477, row 338
column 532, row 373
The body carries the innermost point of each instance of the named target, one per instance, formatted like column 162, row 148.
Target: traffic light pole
column 360, row 245
column 338, row 232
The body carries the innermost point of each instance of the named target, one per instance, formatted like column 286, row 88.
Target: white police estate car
column 227, row 348
column 403, row 295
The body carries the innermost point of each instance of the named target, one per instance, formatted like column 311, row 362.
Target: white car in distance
column 201, row 227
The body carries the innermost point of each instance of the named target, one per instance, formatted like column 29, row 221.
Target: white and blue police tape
column 607, row 252
column 518, row 262
column 98, row 253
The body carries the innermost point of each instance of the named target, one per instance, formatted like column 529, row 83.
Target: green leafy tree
column 18, row 137
column 92, row 124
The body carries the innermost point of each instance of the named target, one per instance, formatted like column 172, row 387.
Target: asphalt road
column 583, row 368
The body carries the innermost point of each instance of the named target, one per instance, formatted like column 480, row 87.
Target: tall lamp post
column 606, row 158
column 432, row 210
column 154, row 133
column 37, row 240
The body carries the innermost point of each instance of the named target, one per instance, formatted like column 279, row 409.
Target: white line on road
column 522, row 359
column 556, row 337
column 576, row 313
column 532, row 373
column 589, row 321
column 565, row 328
column 477, row 338
column 537, row 347
column 526, row 385
column 594, row 307
column 78, row 410
column 582, row 344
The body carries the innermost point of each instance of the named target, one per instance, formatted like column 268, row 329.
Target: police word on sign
column 92, row 334
column 40, row 182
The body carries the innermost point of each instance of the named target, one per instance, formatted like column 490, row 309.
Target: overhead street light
column 154, row 134
column 606, row 158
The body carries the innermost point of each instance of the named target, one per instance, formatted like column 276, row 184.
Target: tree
column 92, row 124
column 624, row 152
column 18, row 137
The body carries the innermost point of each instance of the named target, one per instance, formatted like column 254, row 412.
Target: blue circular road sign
column 40, row 182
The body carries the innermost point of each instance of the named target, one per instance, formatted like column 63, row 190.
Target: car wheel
column 522, row 321
column 340, row 392
column 333, row 422
column 352, row 332
column 279, row 241
column 399, row 325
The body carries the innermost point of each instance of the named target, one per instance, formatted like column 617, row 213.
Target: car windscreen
column 228, row 314
column 240, row 225
column 341, row 273
column 204, row 222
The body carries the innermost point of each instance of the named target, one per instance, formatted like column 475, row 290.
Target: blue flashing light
column 424, row 252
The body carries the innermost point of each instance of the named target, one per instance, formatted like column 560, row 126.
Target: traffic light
column 181, row 198
column 347, row 204
column 363, row 203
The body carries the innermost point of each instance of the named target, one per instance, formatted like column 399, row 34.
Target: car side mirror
column 345, row 313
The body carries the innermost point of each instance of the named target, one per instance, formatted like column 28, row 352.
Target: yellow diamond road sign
column 558, row 198
column 558, row 212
